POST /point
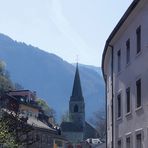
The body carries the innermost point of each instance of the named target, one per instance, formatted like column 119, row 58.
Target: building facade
column 125, row 70
column 38, row 131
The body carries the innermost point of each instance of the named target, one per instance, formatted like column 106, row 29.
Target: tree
column 99, row 121
column 47, row 110
column 65, row 116
column 6, row 137
column 18, row 86
column 2, row 67
column 14, row 130
column 5, row 82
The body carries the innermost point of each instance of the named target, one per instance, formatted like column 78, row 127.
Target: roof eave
column 115, row 30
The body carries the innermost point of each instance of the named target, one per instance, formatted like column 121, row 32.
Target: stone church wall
column 74, row 137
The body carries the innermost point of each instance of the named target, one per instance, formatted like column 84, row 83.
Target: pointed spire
column 77, row 91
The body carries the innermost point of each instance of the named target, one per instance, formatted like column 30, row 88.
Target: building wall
column 136, row 121
column 74, row 137
column 45, row 139
column 28, row 111
column 109, row 99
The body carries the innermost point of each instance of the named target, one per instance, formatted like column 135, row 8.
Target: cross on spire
column 77, row 58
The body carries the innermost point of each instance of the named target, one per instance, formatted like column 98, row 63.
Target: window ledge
column 119, row 118
column 138, row 108
column 128, row 114
column 139, row 53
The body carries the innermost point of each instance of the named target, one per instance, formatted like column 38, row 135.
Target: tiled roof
column 37, row 123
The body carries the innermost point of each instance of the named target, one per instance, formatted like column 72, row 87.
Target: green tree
column 47, row 110
column 6, row 137
column 14, row 131
column 13, row 128
column 18, row 86
column 5, row 82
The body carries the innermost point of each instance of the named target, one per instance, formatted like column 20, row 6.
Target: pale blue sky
column 64, row 27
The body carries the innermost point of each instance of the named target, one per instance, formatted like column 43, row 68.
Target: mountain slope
column 51, row 76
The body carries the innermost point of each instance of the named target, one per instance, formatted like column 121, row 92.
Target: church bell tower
column 76, row 103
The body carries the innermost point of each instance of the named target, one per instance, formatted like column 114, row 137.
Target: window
column 139, row 140
column 128, row 107
column 119, row 143
column 138, row 89
column 128, row 142
column 29, row 113
column 138, row 34
column 119, row 60
column 119, row 105
column 49, row 140
column 76, row 108
column 127, row 51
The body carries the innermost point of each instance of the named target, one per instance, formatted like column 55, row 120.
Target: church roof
column 90, row 131
column 71, row 127
column 77, row 90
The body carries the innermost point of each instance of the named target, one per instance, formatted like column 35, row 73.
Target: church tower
column 76, row 129
column 76, row 103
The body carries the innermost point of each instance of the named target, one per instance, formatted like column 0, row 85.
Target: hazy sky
column 65, row 27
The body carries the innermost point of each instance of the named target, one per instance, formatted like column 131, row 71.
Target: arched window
column 76, row 108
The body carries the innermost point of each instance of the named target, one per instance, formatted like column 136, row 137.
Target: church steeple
column 76, row 103
column 77, row 90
